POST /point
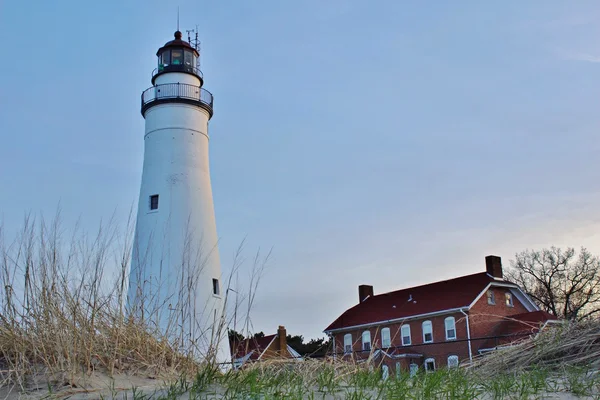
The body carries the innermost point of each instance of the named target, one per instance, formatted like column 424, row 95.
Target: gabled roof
column 434, row 297
column 252, row 347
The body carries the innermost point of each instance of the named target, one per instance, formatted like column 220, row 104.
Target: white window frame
column 366, row 339
column 385, row 372
column 509, row 299
column 452, row 361
column 386, row 338
column 430, row 325
column 402, row 333
column 413, row 369
column 450, row 320
column 347, row 343
column 431, row 359
column 491, row 297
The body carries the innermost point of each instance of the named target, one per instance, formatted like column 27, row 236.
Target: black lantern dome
column 177, row 56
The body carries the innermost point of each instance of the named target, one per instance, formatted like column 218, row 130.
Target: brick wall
column 440, row 349
column 484, row 317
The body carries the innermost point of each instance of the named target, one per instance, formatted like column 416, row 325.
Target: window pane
column 348, row 343
column 216, row 289
column 366, row 340
column 154, row 202
column 189, row 59
column 450, row 328
column 385, row 337
column 427, row 331
column 430, row 365
column 406, row 335
column 452, row 361
column 177, row 56
column 165, row 57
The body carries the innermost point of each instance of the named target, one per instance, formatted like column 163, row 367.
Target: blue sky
column 387, row 143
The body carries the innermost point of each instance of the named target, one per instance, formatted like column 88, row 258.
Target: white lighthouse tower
column 175, row 279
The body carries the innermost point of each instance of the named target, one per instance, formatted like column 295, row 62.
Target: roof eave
column 391, row 321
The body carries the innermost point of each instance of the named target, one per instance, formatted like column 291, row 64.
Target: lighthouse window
column 165, row 58
column 216, row 289
column 154, row 202
column 177, row 57
column 189, row 59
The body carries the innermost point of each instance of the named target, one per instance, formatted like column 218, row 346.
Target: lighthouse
column 175, row 282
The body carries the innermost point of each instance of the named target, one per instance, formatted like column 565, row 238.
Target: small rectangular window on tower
column 216, row 289
column 154, row 202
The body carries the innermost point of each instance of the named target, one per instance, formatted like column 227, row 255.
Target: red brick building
column 263, row 348
column 439, row 324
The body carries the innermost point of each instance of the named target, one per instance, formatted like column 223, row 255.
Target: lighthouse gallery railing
column 184, row 91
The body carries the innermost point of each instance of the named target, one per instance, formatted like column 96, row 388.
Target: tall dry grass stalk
column 63, row 315
column 558, row 346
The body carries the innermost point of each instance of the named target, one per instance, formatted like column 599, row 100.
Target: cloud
column 569, row 55
column 585, row 57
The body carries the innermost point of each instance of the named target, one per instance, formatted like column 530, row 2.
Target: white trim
column 524, row 299
column 269, row 345
column 391, row 321
column 238, row 362
column 396, row 356
column 294, row 353
column 468, row 335
column 522, row 296
column 332, row 337
column 485, row 289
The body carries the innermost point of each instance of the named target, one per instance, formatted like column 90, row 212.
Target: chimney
column 364, row 291
column 493, row 266
column 281, row 334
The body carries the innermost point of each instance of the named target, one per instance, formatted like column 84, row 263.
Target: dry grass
column 559, row 346
column 62, row 317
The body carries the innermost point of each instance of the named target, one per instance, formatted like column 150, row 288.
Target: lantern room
column 177, row 56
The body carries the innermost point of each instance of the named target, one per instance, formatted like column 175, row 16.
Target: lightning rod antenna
column 177, row 17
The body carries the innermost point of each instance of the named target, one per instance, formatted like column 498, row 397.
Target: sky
column 385, row 143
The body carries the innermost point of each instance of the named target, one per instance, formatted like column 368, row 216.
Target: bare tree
column 560, row 281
